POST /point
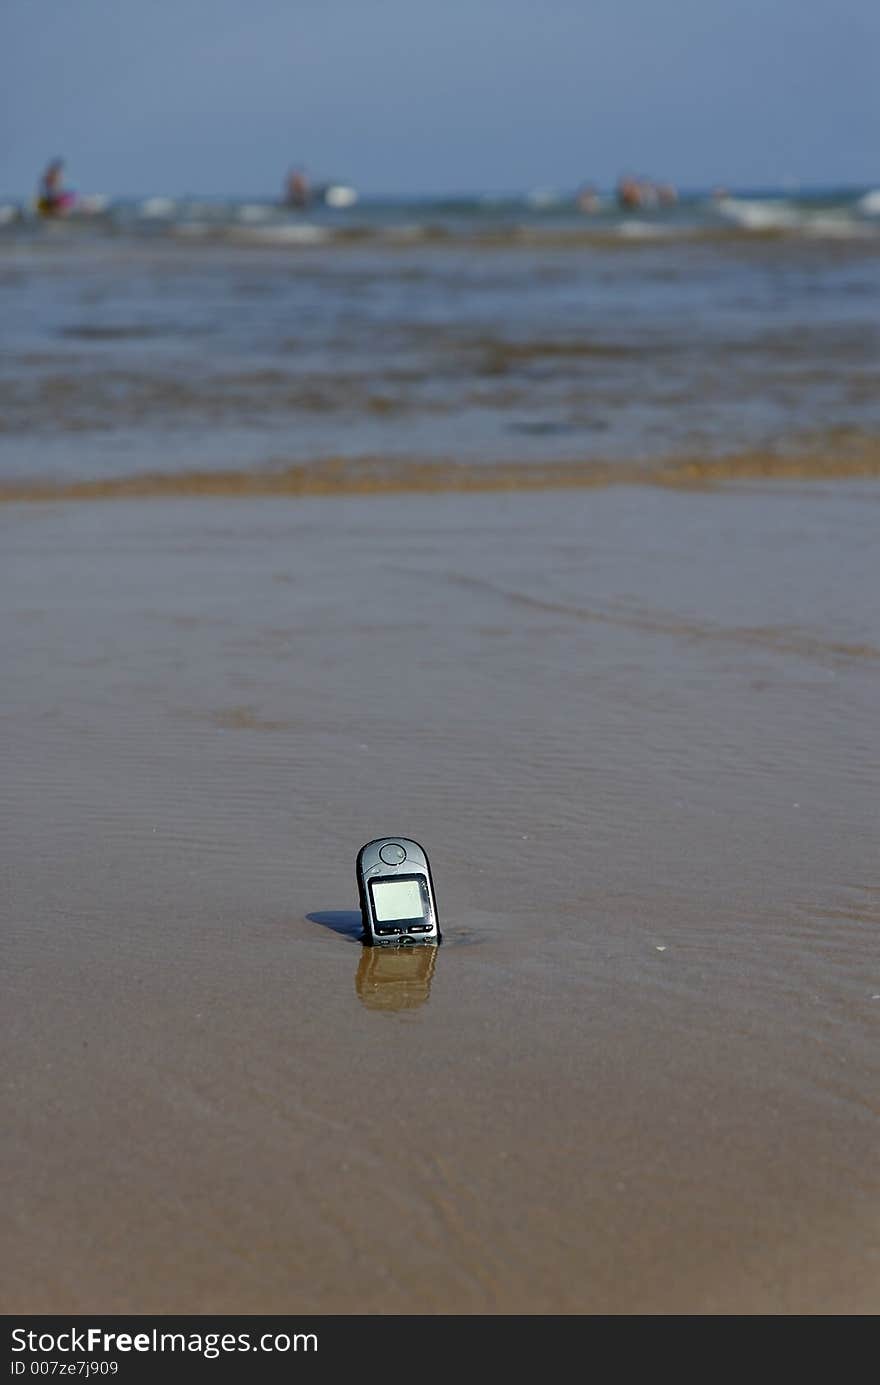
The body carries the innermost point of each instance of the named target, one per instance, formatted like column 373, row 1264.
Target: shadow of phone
column 346, row 922
column 396, row 978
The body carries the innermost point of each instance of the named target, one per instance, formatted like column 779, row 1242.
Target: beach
column 549, row 542
column 634, row 727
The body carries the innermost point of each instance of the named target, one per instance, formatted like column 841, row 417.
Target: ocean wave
column 532, row 219
column 787, row 216
column 156, row 207
column 649, row 230
column 763, row 215
column 300, row 233
column 836, row 226
column 255, row 211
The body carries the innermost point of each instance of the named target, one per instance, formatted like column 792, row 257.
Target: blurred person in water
column 587, row 200
column 52, row 197
column 297, row 192
column 639, row 193
column 630, row 192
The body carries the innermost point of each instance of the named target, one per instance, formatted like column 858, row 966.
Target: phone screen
column 394, row 900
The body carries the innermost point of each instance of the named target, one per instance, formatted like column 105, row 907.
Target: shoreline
column 382, row 476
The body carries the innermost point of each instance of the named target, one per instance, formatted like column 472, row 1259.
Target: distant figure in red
column 297, row 192
column 634, row 193
column 630, row 193
column 53, row 198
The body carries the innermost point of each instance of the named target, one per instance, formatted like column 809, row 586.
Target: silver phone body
column 396, row 893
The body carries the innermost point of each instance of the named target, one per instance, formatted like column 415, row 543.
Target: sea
column 177, row 337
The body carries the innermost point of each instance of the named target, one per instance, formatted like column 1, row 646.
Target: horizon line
column 789, row 187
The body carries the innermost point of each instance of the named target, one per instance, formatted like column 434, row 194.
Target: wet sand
column 842, row 455
column 636, row 730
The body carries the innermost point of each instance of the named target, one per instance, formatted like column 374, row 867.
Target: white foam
column 340, row 195
column 92, row 203
column 255, row 211
column 304, row 234
column 870, row 203
column 836, row 226
column 157, row 207
column 644, row 230
column 758, row 216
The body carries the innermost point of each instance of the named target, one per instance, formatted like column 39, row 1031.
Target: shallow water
column 205, row 339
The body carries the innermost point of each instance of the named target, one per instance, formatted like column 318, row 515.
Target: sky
column 397, row 97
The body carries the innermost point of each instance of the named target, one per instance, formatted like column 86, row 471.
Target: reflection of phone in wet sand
column 395, row 978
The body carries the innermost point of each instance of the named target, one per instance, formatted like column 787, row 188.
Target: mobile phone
column 396, row 893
